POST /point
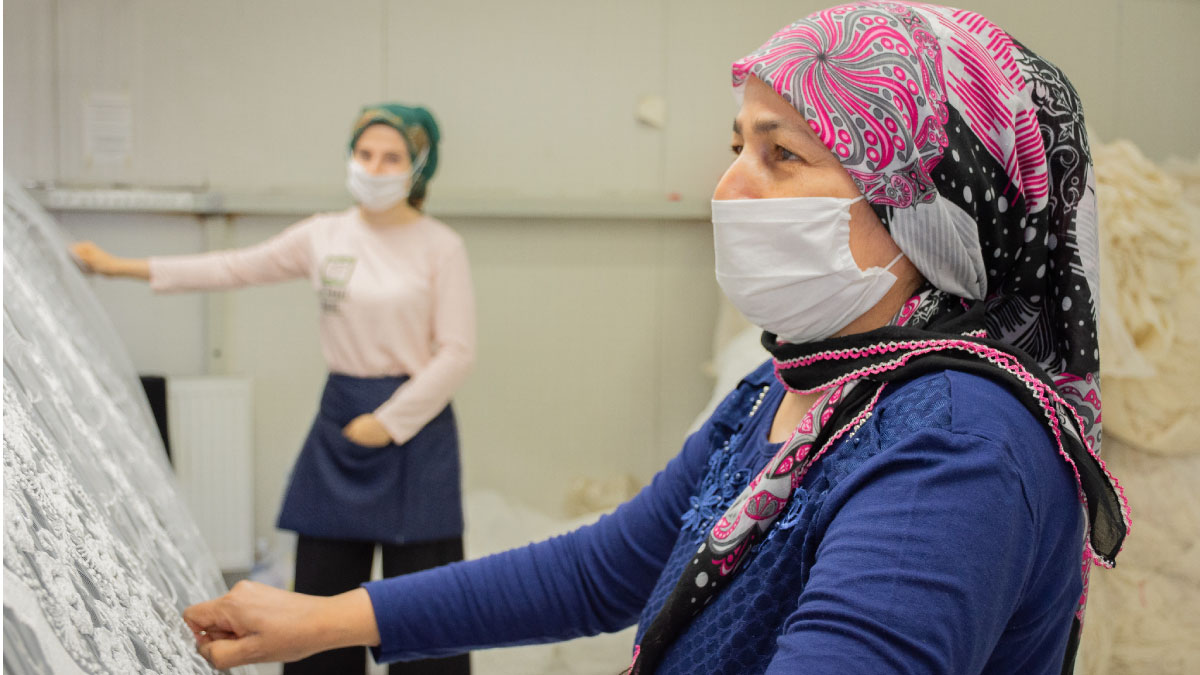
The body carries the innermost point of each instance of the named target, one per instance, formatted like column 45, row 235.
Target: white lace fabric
column 100, row 553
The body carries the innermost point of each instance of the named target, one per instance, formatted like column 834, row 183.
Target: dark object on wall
column 155, row 387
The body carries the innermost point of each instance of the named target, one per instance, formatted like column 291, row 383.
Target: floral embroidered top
column 944, row 536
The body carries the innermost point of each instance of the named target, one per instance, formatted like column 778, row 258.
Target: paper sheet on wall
column 107, row 129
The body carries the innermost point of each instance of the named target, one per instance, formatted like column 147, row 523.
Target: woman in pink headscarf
column 912, row 482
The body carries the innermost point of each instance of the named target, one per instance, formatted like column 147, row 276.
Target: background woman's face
column 381, row 150
column 779, row 155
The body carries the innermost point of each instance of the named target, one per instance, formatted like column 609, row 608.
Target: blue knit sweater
column 943, row 537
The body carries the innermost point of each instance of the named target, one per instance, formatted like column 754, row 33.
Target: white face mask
column 786, row 265
column 376, row 193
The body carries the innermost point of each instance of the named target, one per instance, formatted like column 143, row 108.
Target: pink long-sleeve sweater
column 394, row 300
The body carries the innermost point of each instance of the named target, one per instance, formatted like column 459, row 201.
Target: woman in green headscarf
column 420, row 135
column 380, row 466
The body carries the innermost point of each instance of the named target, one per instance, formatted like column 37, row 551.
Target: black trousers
column 331, row 566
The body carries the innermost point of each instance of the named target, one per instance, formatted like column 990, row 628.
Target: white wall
column 536, row 97
column 593, row 330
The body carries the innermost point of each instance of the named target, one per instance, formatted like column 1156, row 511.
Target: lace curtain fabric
column 100, row 553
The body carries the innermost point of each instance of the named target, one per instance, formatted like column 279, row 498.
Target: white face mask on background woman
column 786, row 265
column 376, row 193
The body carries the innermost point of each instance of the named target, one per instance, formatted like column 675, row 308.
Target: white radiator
column 209, row 423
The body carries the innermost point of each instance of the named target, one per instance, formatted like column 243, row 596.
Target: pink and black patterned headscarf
column 972, row 151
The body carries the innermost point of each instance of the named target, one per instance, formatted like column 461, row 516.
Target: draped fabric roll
column 100, row 554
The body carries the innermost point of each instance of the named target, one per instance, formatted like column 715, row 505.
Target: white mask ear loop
column 898, row 255
column 419, row 164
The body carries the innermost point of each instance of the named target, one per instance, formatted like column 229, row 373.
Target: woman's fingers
column 82, row 252
column 89, row 256
column 216, row 625
column 367, row 430
column 227, row 653
column 210, row 635
column 200, row 617
column 208, row 619
column 200, row 633
column 249, row 624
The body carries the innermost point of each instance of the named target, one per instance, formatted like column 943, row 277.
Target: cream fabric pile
column 1150, row 278
column 1143, row 615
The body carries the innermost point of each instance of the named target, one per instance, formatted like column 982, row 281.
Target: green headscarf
column 420, row 132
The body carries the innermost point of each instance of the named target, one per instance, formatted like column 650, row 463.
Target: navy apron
column 395, row 494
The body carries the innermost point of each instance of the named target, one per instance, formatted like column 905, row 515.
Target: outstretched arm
column 287, row 255
column 591, row 580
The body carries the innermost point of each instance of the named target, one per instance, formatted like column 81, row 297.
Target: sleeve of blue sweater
column 592, row 580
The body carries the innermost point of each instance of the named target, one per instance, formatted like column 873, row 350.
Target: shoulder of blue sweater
column 975, row 405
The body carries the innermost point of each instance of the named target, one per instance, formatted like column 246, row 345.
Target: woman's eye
column 785, row 154
column 737, row 149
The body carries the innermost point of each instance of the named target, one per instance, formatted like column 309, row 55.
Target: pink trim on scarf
column 1044, row 394
column 852, row 426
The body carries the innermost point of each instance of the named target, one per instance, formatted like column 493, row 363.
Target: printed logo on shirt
column 335, row 275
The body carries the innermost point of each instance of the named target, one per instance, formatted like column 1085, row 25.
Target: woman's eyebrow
column 767, row 126
column 763, row 126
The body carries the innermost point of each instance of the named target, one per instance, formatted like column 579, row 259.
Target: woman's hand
column 255, row 623
column 367, row 430
column 93, row 258
column 98, row 261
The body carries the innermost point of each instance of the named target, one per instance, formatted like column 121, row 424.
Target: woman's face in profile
column 381, row 150
column 778, row 155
